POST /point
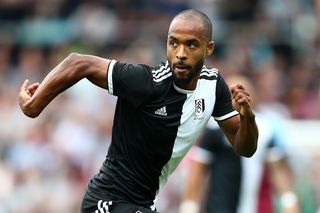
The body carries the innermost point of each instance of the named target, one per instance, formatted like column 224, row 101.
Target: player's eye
column 173, row 43
column 192, row 45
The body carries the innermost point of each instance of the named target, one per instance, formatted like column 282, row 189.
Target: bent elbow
column 78, row 64
column 31, row 113
column 73, row 60
column 247, row 152
column 73, row 57
column 79, row 60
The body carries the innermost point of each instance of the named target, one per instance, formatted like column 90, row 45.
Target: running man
column 159, row 115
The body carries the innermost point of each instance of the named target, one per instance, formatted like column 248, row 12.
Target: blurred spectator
column 5, row 61
column 270, row 85
column 95, row 24
column 31, row 63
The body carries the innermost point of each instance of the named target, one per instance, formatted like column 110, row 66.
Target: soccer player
column 160, row 113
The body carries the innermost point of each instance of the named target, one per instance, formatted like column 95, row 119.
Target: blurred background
column 45, row 163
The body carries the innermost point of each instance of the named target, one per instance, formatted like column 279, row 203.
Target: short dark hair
column 207, row 24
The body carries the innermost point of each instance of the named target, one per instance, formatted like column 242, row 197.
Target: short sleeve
column 223, row 108
column 131, row 82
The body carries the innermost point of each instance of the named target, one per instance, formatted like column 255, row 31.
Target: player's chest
column 194, row 107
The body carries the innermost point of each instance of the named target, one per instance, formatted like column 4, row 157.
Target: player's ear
column 210, row 48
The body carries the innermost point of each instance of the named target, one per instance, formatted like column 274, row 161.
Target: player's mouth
column 179, row 68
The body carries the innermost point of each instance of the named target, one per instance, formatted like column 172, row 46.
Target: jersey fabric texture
column 155, row 124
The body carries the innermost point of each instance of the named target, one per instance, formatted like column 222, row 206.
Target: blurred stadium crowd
column 45, row 163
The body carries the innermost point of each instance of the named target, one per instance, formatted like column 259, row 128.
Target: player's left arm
column 241, row 130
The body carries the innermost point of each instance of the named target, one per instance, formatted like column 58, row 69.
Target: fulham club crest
column 199, row 108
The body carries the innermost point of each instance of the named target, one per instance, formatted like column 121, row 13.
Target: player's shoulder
column 157, row 73
column 161, row 72
column 209, row 73
column 127, row 66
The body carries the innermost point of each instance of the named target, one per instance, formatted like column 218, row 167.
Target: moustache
column 181, row 65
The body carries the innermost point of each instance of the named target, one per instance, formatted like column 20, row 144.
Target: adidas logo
column 162, row 111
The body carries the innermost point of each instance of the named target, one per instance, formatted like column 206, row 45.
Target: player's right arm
column 35, row 97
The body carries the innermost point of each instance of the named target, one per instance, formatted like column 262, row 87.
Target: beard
column 194, row 71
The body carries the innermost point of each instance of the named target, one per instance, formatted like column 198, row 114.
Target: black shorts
column 94, row 205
